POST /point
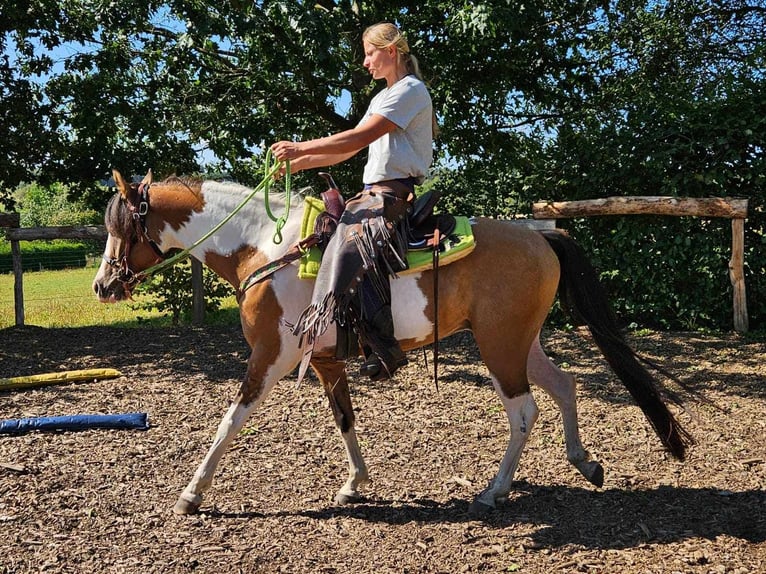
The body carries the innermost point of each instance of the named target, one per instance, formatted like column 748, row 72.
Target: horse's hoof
column 480, row 507
column 595, row 474
column 343, row 498
column 187, row 504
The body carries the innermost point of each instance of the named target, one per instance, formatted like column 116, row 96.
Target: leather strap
column 266, row 271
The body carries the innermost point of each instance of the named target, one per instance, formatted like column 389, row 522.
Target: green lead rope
column 268, row 173
column 271, row 169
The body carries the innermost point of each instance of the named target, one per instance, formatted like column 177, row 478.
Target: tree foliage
column 46, row 206
column 538, row 99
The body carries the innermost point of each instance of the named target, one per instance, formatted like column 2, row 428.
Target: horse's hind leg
column 332, row 374
column 561, row 387
column 522, row 414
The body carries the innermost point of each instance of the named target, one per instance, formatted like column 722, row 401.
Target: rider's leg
column 383, row 354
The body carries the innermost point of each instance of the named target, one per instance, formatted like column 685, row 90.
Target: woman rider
column 369, row 246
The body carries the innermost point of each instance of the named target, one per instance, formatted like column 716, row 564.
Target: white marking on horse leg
column 542, row 372
column 522, row 414
column 332, row 374
column 232, row 422
column 357, row 470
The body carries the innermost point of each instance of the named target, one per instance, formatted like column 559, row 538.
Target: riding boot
column 371, row 366
column 386, row 355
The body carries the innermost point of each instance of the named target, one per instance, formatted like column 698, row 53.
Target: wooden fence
column 15, row 234
column 730, row 208
column 734, row 209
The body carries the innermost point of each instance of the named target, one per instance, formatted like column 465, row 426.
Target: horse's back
column 502, row 291
column 513, row 266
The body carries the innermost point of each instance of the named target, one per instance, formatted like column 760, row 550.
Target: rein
column 271, row 169
column 268, row 174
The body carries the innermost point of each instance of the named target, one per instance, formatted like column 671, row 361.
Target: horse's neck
column 245, row 240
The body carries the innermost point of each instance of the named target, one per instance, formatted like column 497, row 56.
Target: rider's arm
column 337, row 147
column 318, row 160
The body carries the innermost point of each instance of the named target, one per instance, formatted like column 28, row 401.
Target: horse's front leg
column 262, row 374
column 332, row 374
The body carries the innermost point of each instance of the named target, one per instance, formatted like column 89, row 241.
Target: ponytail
column 384, row 35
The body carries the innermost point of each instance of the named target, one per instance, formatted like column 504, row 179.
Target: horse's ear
column 147, row 178
column 120, row 183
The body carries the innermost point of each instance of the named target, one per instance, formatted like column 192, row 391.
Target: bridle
column 138, row 210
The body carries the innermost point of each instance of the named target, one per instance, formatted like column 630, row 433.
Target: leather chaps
column 352, row 288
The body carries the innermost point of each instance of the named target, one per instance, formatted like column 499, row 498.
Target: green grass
column 66, row 299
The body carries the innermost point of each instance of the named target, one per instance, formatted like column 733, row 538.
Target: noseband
column 138, row 210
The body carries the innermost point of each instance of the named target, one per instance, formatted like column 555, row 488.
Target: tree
column 680, row 110
column 537, row 99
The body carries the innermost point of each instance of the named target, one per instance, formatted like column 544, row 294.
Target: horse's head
column 129, row 249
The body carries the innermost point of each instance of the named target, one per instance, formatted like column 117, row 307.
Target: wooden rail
column 730, row 208
column 15, row 234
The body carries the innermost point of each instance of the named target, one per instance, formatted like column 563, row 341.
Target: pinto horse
column 501, row 292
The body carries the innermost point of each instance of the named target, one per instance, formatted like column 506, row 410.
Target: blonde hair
column 384, row 35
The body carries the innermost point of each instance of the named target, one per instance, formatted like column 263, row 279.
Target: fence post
column 198, row 293
column 18, row 282
column 13, row 221
column 737, row 275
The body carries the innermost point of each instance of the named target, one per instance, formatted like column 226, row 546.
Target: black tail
column 584, row 298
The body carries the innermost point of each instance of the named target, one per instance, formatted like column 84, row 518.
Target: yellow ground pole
column 57, row 378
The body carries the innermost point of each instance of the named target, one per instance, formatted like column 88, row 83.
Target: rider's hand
column 284, row 150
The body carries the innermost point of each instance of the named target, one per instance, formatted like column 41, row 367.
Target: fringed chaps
column 368, row 247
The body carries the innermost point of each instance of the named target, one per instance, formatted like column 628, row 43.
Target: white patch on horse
column 250, row 226
column 293, row 297
column 110, row 251
column 409, row 309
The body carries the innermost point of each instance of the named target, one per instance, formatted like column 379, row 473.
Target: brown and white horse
column 501, row 292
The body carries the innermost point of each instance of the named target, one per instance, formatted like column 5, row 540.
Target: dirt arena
column 100, row 500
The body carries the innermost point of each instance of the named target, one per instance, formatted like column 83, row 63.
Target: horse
column 502, row 292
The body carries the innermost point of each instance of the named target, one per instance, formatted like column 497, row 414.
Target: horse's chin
column 117, row 296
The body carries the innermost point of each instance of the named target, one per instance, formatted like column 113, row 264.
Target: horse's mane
column 276, row 194
column 193, row 184
column 118, row 218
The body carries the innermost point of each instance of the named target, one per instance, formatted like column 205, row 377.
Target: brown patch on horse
column 260, row 307
column 528, row 276
column 175, row 195
column 238, row 266
column 525, row 272
column 332, row 374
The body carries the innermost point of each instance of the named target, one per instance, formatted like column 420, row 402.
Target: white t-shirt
column 408, row 150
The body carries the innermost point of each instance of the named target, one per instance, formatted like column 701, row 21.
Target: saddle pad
column 418, row 260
